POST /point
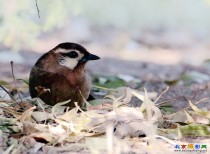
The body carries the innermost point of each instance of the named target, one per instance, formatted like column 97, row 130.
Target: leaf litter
column 106, row 125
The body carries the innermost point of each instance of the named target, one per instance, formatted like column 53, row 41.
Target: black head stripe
column 72, row 46
column 71, row 54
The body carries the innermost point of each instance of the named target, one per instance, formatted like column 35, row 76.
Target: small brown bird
column 62, row 71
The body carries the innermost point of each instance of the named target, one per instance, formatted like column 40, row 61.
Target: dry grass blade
column 190, row 103
column 58, row 109
column 8, row 151
column 148, row 105
column 11, row 111
column 166, row 139
column 11, row 96
column 13, row 75
column 26, row 116
column 179, row 133
column 161, row 94
column 139, row 96
column 128, row 96
column 88, row 105
column 189, row 118
column 199, row 111
column 108, row 89
column 193, row 107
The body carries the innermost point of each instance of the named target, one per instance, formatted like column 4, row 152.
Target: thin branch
column 190, row 105
column 161, row 94
column 166, row 101
column 11, row 96
column 37, row 8
column 104, row 88
column 195, row 102
column 15, row 82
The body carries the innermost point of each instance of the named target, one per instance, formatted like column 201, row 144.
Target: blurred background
column 155, row 31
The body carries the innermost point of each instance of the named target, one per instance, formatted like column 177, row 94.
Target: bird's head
column 72, row 55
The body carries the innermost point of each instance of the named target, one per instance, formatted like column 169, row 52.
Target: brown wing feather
column 62, row 86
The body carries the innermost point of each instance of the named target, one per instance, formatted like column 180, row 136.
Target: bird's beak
column 89, row 57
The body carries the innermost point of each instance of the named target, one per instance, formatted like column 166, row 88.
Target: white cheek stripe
column 68, row 62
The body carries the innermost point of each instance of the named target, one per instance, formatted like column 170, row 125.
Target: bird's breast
column 79, row 81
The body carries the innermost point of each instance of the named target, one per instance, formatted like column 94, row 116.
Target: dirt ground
column 154, row 77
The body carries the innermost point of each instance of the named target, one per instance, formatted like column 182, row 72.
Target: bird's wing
column 46, row 79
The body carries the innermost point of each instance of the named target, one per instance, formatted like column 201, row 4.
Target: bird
column 62, row 72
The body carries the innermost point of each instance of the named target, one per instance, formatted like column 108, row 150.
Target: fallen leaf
column 41, row 90
column 26, row 116
column 58, row 109
column 189, row 118
column 42, row 116
column 200, row 119
column 29, row 128
column 199, row 111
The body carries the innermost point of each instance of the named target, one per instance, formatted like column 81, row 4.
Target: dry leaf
column 41, row 90
column 199, row 111
column 179, row 116
column 26, row 116
column 76, row 122
column 42, row 116
column 96, row 144
column 4, row 96
column 43, row 136
column 58, row 109
column 179, row 133
column 200, row 119
column 189, row 118
column 29, row 128
column 11, row 111
column 69, row 116
column 36, row 147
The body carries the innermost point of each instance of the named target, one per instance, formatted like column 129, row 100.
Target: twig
column 202, row 100
column 196, row 102
column 37, row 100
column 11, row 96
column 166, row 101
column 108, row 89
column 161, row 94
column 37, row 8
column 190, row 105
column 34, row 119
column 15, row 82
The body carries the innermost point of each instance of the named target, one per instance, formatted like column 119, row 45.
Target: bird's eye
column 72, row 54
